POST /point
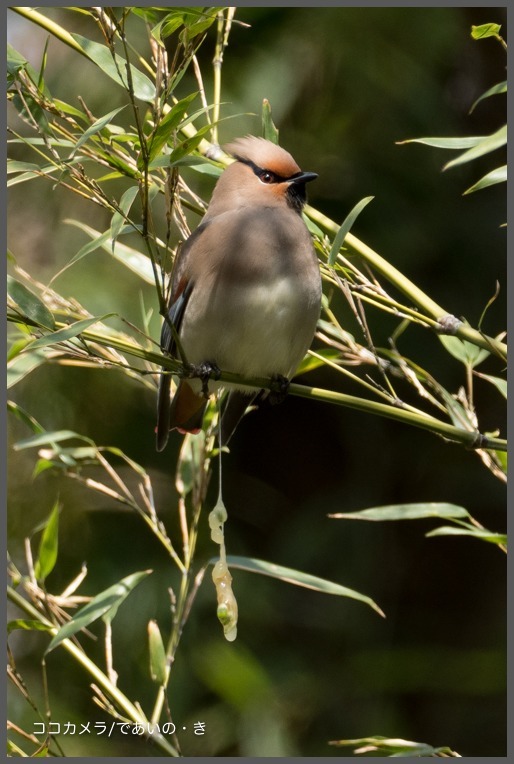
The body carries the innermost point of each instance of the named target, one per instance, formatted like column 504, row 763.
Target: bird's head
column 263, row 174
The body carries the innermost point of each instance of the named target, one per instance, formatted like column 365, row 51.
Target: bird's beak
column 303, row 177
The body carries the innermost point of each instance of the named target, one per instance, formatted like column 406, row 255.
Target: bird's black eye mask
column 266, row 176
column 296, row 194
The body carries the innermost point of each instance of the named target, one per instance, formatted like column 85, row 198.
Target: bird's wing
column 181, row 288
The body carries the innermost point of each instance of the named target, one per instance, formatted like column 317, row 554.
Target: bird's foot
column 279, row 389
column 204, row 371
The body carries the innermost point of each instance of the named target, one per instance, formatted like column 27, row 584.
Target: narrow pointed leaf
column 495, row 176
column 479, row 533
column 27, row 625
column 116, row 68
column 68, row 333
column 500, row 384
column 48, row 439
column 298, row 578
column 446, row 143
column 269, row 130
column 501, row 87
column 168, row 124
column 485, row 146
column 48, row 546
column 22, row 365
column 404, row 512
column 118, row 219
column 128, row 256
column 98, row 125
column 98, row 607
column 345, row 228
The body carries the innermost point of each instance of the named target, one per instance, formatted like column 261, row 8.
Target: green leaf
column 405, row 512
column 495, row 176
column 485, row 146
column 22, row 365
column 48, row 439
column 131, row 258
column 168, row 124
column 98, row 607
column 345, row 228
column 98, row 125
column 48, row 546
column 500, row 384
column 485, row 30
column 157, row 654
column 479, row 533
column 118, row 219
column 269, row 131
column 15, row 61
column 393, row 747
column 68, row 333
column 501, row 87
column 31, row 306
column 25, row 417
column 446, row 143
column 116, row 68
column 27, row 625
column 464, row 351
column 298, row 578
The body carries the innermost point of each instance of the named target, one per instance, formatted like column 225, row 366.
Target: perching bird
column 245, row 286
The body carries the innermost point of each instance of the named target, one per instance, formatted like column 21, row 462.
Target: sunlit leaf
column 500, row 384
column 116, row 68
column 98, row 607
column 485, row 146
column 464, row 351
column 25, row 417
column 393, row 747
column 69, row 332
column 118, row 219
column 447, row 143
column 98, row 125
column 345, row 228
column 48, row 438
column 269, row 130
column 495, row 176
column 479, row 533
column 479, row 32
column 298, row 578
column 128, row 256
column 501, row 87
column 168, row 124
column 48, row 546
column 405, row 512
column 27, row 625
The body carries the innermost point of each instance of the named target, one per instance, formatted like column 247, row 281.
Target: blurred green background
column 345, row 84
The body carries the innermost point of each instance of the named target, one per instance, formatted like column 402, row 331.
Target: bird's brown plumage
column 245, row 287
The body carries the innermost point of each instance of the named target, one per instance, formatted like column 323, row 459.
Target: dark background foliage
column 345, row 85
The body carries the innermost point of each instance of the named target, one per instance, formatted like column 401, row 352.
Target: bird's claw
column 204, row 371
column 279, row 389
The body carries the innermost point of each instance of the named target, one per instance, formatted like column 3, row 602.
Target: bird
column 245, row 288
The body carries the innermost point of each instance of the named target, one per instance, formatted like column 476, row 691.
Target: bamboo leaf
column 345, row 228
column 116, row 68
column 482, row 31
column 48, row 546
column 298, row 578
column 118, row 219
column 22, row 365
column 419, row 511
column 485, row 146
column 128, row 256
column 479, row 533
column 98, row 125
column 269, row 130
column 68, row 333
column 31, row 306
column 168, row 124
column 27, row 625
column 446, row 143
column 393, row 747
column 500, row 384
column 501, row 87
column 98, row 607
column 464, row 351
column 495, row 176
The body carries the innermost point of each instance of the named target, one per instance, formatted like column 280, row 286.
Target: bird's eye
column 266, row 176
